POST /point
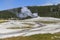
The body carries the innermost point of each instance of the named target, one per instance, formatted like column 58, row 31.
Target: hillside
column 45, row 11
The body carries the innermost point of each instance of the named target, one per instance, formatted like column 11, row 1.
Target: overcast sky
column 9, row 4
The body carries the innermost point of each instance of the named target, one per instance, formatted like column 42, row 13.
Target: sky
column 9, row 4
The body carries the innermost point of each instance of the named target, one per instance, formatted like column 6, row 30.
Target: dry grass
column 47, row 22
column 37, row 37
column 1, row 21
column 23, row 27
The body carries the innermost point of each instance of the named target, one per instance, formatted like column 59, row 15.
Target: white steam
column 25, row 12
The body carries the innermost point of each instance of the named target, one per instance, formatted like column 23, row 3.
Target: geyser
column 25, row 12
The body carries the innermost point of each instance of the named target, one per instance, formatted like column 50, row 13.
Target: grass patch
column 1, row 21
column 37, row 37
column 13, row 28
column 19, row 27
column 47, row 22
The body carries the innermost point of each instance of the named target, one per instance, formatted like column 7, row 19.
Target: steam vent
column 25, row 12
